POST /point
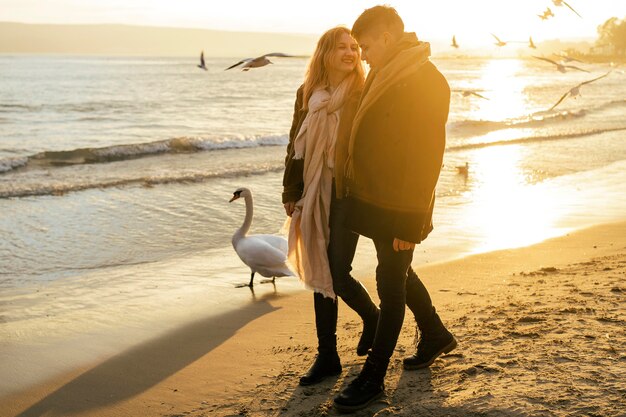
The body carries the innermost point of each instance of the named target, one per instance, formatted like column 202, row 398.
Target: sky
column 470, row 21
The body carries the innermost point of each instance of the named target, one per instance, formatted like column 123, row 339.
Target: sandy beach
column 541, row 331
column 121, row 294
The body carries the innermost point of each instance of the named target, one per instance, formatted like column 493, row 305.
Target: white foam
column 9, row 164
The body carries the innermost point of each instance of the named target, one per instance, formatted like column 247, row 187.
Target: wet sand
column 541, row 330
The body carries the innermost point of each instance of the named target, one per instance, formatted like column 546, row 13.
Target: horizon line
column 149, row 26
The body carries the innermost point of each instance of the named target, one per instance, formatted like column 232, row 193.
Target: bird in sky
column 561, row 3
column 202, row 65
column 531, row 44
column 454, row 44
column 257, row 62
column 467, row 93
column 546, row 14
column 567, row 58
column 559, row 66
column 575, row 91
column 499, row 42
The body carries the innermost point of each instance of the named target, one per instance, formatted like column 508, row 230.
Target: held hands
column 399, row 245
column 289, row 207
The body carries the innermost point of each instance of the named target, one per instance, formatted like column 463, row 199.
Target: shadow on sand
column 145, row 365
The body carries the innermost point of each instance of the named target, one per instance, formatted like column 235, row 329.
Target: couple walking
column 363, row 158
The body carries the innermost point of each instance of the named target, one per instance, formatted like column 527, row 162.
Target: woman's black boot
column 327, row 362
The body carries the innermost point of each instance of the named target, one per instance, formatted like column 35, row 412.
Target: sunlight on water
column 508, row 98
column 503, row 136
column 505, row 211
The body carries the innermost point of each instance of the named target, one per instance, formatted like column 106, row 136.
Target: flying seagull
column 531, row 44
column 467, row 93
column 454, row 44
column 546, row 15
column 575, row 91
column 560, row 67
column 499, row 42
column 202, row 64
column 257, row 62
column 560, row 3
column 567, row 58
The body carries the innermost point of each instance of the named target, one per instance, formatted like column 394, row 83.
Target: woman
column 321, row 249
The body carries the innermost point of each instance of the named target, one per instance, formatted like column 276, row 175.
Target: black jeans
column 341, row 249
column 396, row 282
column 397, row 285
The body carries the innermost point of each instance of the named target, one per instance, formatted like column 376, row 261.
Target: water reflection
column 507, row 99
column 505, row 211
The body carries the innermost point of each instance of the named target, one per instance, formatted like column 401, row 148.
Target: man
column 395, row 155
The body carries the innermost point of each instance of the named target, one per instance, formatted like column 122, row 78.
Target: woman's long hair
column 317, row 71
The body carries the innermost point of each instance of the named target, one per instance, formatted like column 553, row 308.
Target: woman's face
column 345, row 56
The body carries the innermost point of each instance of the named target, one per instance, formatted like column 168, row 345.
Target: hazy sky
column 470, row 20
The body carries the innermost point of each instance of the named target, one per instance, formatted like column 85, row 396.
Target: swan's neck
column 247, row 222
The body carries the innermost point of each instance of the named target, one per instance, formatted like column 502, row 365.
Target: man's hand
column 289, row 207
column 399, row 245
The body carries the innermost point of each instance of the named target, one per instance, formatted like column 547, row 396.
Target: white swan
column 265, row 254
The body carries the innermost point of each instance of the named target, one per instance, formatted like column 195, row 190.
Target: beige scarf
column 308, row 227
column 404, row 59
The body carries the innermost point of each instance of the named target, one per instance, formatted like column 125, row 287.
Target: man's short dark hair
column 379, row 19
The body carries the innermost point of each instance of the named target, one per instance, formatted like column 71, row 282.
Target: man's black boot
column 362, row 304
column 365, row 389
column 434, row 341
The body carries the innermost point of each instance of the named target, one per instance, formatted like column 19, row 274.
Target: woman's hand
column 289, row 207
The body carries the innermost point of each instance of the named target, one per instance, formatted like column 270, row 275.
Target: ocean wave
column 531, row 139
column 7, row 107
column 471, row 127
column 95, row 107
column 85, row 107
column 56, row 189
column 610, row 104
column 8, row 164
column 114, row 153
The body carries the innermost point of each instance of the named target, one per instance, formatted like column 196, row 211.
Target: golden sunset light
column 303, row 209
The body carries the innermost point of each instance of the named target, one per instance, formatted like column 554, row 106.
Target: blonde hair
column 317, row 70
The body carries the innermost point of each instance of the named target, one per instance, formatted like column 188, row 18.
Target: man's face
column 373, row 48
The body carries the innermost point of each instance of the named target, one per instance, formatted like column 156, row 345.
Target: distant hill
column 110, row 39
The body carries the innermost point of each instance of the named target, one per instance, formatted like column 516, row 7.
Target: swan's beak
column 235, row 197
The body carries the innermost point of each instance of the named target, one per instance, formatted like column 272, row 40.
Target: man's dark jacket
column 397, row 158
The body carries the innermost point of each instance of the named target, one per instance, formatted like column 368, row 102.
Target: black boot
column 365, row 389
column 434, row 341
column 325, row 365
column 362, row 303
column 327, row 362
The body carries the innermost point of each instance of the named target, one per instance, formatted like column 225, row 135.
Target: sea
column 116, row 175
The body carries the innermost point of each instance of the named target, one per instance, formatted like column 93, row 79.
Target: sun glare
column 504, row 89
column 505, row 212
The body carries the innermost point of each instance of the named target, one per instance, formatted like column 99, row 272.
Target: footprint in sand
column 529, row 319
